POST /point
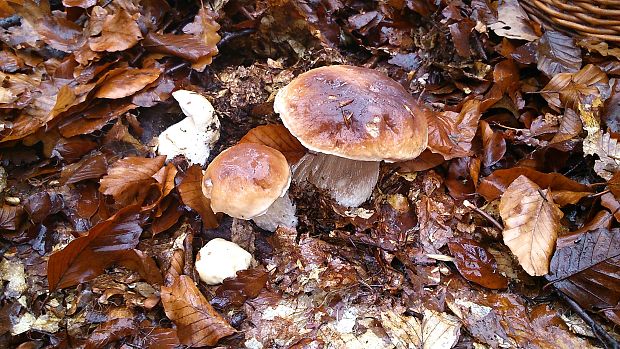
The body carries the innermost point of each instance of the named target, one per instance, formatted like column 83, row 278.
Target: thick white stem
column 280, row 214
column 349, row 182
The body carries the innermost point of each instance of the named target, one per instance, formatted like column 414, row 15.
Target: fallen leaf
column 610, row 202
column 570, row 127
column 567, row 197
column 10, row 217
column 120, row 32
column 557, row 53
column 161, row 338
column 607, row 148
column 234, row 291
column 589, row 270
column 89, row 167
column 123, row 82
column 110, row 332
column 88, row 256
column 492, row 187
column 190, row 190
column 570, row 89
column 450, row 134
column 476, row 264
column 198, row 324
column 129, row 178
column 513, row 22
column 435, row 331
column 198, row 44
column 423, row 162
column 531, row 224
column 277, row 137
column 493, row 145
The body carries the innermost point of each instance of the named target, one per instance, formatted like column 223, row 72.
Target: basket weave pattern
column 591, row 18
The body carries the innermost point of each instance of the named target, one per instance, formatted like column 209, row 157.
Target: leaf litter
column 472, row 244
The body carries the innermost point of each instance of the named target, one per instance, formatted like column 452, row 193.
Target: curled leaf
column 277, row 137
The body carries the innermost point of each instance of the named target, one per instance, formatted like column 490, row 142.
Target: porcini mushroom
column 351, row 119
column 250, row 181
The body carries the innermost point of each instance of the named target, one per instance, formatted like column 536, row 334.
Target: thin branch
column 483, row 214
column 608, row 341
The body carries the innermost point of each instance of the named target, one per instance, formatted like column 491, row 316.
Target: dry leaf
column 571, row 89
column 493, row 145
column 277, row 137
column 123, row 82
column 450, row 134
column 435, row 331
column 531, row 224
column 120, row 32
column 513, row 22
column 557, row 53
column 129, row 179
column 198, row 324
column 190, row 189
column 88, row 256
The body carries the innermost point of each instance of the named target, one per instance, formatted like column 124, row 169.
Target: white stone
column 220, row 259
column 195, row 135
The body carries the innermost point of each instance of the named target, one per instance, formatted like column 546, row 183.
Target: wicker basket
column 590, row 18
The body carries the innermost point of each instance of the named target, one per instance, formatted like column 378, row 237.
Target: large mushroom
column 351, row 119
column 250, row 181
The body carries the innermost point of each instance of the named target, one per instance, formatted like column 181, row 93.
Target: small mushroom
column 250, row 181
column 351, row 119
column 220, row 259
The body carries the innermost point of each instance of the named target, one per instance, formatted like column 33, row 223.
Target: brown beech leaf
column 570, row 89
column 141, row 263
column 110, row 332
column 568, row 197
column 607, row 147
column 476, row 264
column 557, row 53
column 129, row 177
column 450, row 134
column 589, row 271
column 161, row 338
column 610, row 202
column 614, row 184
column 570, row 127
column 123, row 82
column 190, row 189
column 491, row 187
column 198, row 44
column 90, row 167
column 198, row 324
column 493, row 145
column 86, row 257
column 10, row 217
column 234, row 291
column 120, row 32
column 513, row 22
column 425, row 161
column 531, row 224
column 277, row 137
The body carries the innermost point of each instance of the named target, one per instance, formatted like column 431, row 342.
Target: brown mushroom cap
column 353, row 112
column 245, row 179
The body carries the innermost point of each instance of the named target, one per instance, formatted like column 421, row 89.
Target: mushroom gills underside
column 280, row 214
column 349, row 182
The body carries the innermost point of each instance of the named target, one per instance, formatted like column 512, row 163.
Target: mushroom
column 250, row 181
column 220, row 259
column 351, row 119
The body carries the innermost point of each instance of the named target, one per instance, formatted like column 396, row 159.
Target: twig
column 608, row 341
column 483, row 214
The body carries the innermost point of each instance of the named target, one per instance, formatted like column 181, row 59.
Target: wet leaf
column 120, row 32
column 493, row 145
column 123, row 82
column 476, row 264
column 557, row 53
column 589, row 270
column 531, row 224
column 450, row 134
column 570, row 127
column 128, row 178
column 234, row 291
column 162, row 338
column 190, row 189
column 491, row 187
column 198, row 324
column 277, row 137
column 110, row 332
column 90, row 167
column 10, row 217
column 88, row 256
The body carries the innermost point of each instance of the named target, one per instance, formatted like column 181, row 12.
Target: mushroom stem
column 280, row 214
column 349, row 182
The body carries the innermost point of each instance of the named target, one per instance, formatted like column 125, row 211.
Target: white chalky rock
column 220, row 259
column 195, row 135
